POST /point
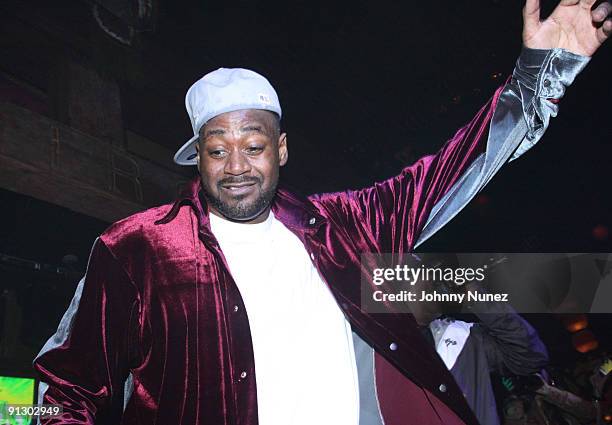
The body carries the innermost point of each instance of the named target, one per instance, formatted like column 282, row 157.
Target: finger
column 531, row 14
column 587, row 3
column 604, row 31
column 601, row 12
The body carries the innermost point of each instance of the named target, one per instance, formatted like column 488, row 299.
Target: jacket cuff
column 548, row 72
column 541, row 77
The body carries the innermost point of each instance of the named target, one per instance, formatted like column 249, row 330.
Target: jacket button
column 236, row 308
column 393, row 346
column 312, row 221
column 243, row 374
column 442, row 388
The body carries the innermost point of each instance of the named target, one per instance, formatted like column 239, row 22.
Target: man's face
column 239, row 155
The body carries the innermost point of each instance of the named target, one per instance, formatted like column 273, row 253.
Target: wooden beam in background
column 44, row 159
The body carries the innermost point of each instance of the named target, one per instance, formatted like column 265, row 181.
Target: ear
column 283, row 153
column 197, row 148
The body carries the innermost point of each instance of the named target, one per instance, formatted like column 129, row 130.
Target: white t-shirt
column 304, row 357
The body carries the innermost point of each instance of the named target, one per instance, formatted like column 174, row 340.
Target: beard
column 241, row 209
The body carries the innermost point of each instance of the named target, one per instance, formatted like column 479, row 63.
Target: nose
column 237, row 163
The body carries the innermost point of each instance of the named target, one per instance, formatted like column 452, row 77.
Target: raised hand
column 574, row 25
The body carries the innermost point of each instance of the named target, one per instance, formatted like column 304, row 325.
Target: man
column 501, row 341
column 237, row 304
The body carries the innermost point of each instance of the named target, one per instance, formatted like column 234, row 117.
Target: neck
column 260, row 218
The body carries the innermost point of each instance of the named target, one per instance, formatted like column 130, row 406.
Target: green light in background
column 15, row 391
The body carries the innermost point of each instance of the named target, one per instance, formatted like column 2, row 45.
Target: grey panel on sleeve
column 520, row 119
column 369, row 409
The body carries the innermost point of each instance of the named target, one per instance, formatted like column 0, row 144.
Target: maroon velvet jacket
column 158, row 302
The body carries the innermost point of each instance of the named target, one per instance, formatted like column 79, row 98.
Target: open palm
column 573, row 26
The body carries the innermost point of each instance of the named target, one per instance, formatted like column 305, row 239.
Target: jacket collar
column 294, row 211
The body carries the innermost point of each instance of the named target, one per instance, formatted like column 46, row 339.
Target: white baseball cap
column 220, row 91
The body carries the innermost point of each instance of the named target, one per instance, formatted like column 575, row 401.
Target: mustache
column 237, row 180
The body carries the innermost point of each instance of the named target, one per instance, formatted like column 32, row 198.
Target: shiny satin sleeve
column 539, row 80
column 402, row 212
column 84, row 365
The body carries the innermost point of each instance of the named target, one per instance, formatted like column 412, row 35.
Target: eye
column 217, row 153
column 254, row 150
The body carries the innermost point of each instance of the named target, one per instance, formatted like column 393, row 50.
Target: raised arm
column 402, row 212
